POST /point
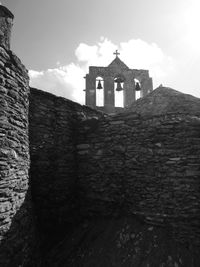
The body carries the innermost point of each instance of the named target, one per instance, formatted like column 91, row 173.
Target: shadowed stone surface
column 128, row 164
column 147, row 165
column 54, row 131
column 121, row 242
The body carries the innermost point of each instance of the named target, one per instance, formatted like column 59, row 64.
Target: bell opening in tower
column 138, row 93
column 119, row 92
column 99, row 92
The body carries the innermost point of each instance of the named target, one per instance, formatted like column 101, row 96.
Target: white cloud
column 100, row 54
column 35, row 74
column 67, row 81
column 142, row 55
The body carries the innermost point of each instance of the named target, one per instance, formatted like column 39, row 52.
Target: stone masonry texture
column 87, row 164
column 16, row 218
column 6, row 22
column 54, row 131
column 15, row 206
column 62, row 163
column 145, row 166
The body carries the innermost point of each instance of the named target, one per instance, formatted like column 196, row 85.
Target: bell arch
column 138, row 91
column 119, row 81
column 99, row 91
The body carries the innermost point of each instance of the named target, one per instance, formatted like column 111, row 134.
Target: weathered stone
column 6, row 21
column 5, row 206
column 192, row 173
column 175, row 159
column 3, row 90
column 83, row 146
column 14, row 154
column 88, row 164
column 83, row 152
column 117, row 122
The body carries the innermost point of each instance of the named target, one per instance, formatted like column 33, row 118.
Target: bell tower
column 115, row 87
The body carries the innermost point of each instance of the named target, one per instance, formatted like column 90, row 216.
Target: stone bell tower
column 115, row 84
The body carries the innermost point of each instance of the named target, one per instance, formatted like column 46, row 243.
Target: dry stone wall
column 16, row 225
column 87, row 164
column 143, row 166
column 54, row 131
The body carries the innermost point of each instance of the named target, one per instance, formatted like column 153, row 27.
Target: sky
column 57, row 41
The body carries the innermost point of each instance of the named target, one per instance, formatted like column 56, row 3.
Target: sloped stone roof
column 165, row 100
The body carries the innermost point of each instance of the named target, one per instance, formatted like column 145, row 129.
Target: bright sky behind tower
column 58, row 40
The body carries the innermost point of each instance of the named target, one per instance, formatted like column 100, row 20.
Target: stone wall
column 87, row 164
column 148, row 166
column 54, row 132
column 16, row 225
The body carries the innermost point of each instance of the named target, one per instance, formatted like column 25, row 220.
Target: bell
column 99, row 86
column 118, row 80
column 137, row 87
column 119, row 87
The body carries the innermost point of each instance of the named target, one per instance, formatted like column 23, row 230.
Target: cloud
column 100, row 54
column 67, row 81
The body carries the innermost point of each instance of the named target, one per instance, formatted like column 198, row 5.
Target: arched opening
column 119, row 91
column 99, row 92
column 138, row 93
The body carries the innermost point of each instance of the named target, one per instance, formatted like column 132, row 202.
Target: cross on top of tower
column 116, row 53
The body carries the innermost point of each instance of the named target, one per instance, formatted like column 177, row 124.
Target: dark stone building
column 116, row 81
